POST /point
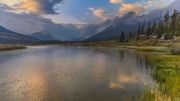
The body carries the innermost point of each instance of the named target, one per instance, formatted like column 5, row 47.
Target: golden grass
column 167, row 75
column 11, row 47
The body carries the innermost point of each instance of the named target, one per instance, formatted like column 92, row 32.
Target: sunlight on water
column 54, row 73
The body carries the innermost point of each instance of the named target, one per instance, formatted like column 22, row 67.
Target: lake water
column 57, row 73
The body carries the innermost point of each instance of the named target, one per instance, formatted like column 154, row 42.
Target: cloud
column 28, row 23
column 34, row 6
column 127, row 7
column 22, row 23
column 140, row 7
column 10, row 2
column 62, row 19
column 29, row 6
column 157, row 4
column 116, row 1
column 102, row 13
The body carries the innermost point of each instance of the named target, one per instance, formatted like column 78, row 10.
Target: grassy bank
column 167, row 74
column 11, row 47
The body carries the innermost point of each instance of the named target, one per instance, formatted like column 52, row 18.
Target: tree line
column 167, row 27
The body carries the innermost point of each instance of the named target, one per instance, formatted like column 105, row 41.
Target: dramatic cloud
column 140, row 7
column 125, row 8
column 102, row 13
column 22, row 23
column 34, row 6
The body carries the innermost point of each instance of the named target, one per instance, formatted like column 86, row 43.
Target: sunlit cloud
column 125, row 8
column 102, row 13
column 10, row 2
column 20, row 6
column 116, row 1
column 31, row 6
column 140, row 7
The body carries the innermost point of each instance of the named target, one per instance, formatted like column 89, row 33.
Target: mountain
column 43, row 36
column 10, row 37
column 55, row 32
column 104, row 34
column 69, row 32
column 116, row 26
column 129, row 23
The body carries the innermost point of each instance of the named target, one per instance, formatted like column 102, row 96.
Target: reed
column 11, row 47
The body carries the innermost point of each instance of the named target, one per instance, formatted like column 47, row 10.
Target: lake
column 59, row 73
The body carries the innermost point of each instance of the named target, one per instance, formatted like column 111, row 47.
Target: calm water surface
column 56, row 73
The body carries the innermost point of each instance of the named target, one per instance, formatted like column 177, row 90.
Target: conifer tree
column 174, row 19
column 160, row 29
column 166, row 19
column 149, row 29
column 143, row 28
column 122, row 37
column 139, row 29
column 154, row 26
column 178, row 25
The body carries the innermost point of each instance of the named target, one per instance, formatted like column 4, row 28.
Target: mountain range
column 129, row 23
column 10, row 37
column 110, row 29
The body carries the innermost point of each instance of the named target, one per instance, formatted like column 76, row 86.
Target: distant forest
column 167, row 27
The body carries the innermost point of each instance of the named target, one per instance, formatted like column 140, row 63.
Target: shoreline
column 4, row 47
column 166, row 65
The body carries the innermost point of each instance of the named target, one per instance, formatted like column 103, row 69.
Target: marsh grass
column 11, row 47
column 167, row 75
column 148, row 48
column 154, row 95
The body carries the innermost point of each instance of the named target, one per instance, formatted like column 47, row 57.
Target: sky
column 35, row 14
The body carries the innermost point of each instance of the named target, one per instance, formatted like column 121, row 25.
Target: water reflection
column 54, row 73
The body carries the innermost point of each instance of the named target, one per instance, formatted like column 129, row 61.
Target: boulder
column 175, row 51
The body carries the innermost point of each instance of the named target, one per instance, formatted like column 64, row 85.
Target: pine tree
column 154, row 26
column 139, row 29
column 178, row 25
column 142, row 28
column 160, row 29
column 149, row 29
column 174, row 19
column 166, row 19
column 122, row 37
column 168, row 34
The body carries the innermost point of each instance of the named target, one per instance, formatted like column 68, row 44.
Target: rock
column 175, row 51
